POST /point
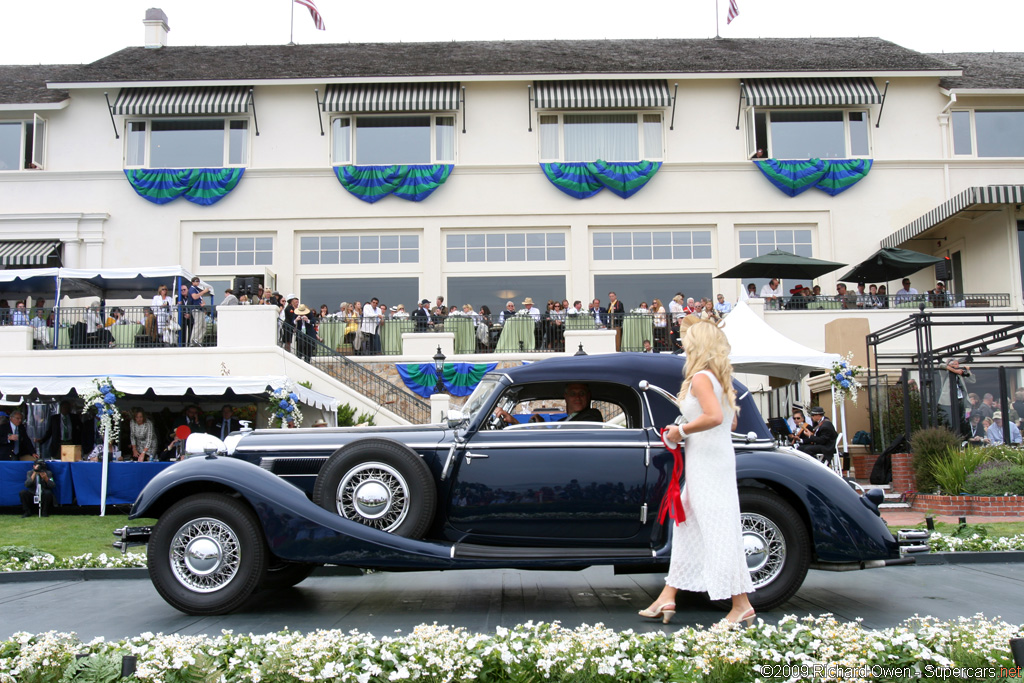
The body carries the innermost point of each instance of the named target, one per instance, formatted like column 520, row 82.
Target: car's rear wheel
column 207, row 554
column 777, row 545
column 381, row 484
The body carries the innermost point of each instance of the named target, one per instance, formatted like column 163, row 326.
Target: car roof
column 627, row 368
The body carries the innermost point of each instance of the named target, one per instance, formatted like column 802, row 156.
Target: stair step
column 894, row 506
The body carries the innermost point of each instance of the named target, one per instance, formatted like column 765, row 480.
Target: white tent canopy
column 757, row 348
column 162, row 385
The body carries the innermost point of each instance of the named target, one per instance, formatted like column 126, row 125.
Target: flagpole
column 291, row 34
column 716, row 20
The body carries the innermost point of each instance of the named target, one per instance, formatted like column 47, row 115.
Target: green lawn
column 65, row 535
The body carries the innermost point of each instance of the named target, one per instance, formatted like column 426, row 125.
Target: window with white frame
column 504, row 247
column 763, row 240
column 610, row 136
column 386, row 140
column 187, row 143
column 236, row 251
column 988, row 132
column 801, row 134
column 22, row 144
column 651, row 245
column 357, row 249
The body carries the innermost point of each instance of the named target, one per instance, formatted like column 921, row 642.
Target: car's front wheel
column 777, row 546
column 381, row 484
column 207, row 554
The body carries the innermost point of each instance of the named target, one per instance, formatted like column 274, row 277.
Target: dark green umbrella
column 782, row 264
column 889, row 264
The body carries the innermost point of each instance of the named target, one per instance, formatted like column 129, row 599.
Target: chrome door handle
column 471, row 456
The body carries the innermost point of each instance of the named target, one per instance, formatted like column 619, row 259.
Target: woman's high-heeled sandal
column 664, row 611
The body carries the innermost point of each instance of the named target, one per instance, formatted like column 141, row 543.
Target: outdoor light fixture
column 580, row 352
column 439, row 359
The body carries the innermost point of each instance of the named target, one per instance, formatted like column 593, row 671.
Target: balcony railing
column 123, row 327
column 870, row 302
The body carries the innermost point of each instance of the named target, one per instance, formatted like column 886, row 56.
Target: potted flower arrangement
column 284, row 407
column 103, row 399
column 844, row 378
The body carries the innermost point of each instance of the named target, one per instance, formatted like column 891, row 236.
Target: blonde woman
column 707, row 548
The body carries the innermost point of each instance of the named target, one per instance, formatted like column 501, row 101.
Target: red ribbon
column 672, row 503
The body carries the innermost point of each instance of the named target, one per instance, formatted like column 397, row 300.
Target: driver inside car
column 577, row 407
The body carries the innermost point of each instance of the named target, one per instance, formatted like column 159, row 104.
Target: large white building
column 291, row 141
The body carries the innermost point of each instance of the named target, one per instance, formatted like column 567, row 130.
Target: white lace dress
column 707, row 549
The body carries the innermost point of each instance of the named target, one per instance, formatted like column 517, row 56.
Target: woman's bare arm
column 711, row 409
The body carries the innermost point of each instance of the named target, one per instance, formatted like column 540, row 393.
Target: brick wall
column 862, row 461
column 902, row 473
column 991, row 506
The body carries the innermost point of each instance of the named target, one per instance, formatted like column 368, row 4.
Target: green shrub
column 951, row 470
column 1002, row 452
column 347, row 417
column 927, row 446
column 996, row 479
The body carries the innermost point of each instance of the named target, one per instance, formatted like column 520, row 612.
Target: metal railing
column 869, row 302
column 311, row 350
column 122, row 327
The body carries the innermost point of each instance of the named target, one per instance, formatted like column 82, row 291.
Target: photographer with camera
column 39, row 485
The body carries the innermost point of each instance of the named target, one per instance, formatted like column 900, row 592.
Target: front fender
column 842, row 528
column 296, row 529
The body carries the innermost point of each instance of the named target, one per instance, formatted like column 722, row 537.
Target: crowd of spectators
column 865, row 297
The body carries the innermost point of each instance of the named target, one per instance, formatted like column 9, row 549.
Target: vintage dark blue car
column 268, row 506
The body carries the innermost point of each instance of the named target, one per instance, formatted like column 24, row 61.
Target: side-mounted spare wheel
column 381, row 484
column 207, row 554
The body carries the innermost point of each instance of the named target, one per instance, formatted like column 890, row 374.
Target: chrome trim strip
column 563, row 423
column 557, row 444
column 326, row 448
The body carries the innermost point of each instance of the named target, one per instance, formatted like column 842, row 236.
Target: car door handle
column 471, row 456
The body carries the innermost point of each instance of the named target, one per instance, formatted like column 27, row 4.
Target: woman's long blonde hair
column 707, row 348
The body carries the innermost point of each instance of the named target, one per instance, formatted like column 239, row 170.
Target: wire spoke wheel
column 765, row 548
column 205, row 555
column 374, row 494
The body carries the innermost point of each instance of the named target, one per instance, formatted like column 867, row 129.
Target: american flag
column 313, row 12
column 734, row 11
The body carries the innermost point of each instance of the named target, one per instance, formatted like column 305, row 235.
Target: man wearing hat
column 305, row 331
column 995, row 432
column 939, row 296
column 531, row 309
column 822, row 441
column 288, row 331
column 424, row 320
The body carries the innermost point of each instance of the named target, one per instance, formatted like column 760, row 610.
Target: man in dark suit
column 61, row 429
column 577, row 407
column 227, row 423
column 509, row 312
column 191, row 420
column 599, row 313
column 422, row 317
column 16, row 443
column 822, row 441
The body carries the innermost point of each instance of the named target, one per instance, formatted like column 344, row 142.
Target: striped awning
column 972, row 196
column 26, row 253
column 176, row 101
column 601, row 94
column 811, row 92
column 383, row 97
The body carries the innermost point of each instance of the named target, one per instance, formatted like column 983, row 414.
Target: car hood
column 334, row 437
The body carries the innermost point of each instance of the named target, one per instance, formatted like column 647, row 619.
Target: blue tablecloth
column 81, row 481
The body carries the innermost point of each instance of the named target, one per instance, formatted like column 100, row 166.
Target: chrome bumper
column 913, row 541
column 131, row 535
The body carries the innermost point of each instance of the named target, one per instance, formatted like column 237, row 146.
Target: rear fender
column 295, row 528
column 842, row 528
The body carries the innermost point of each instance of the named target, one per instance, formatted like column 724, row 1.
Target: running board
column 865, row 564
column 489, row 552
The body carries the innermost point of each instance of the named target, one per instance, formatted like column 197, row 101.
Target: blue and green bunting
column 828, row 175
column 458, row 379
column 372, row 183
column 581, row 179
column 204, row 186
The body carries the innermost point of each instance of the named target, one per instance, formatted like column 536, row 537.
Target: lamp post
column 439, row 359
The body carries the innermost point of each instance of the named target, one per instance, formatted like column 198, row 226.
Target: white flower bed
column 812, row 648
column 944, row 543
column 15, row 559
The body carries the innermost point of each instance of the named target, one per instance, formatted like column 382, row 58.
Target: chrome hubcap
column 765, row 548
column 374, row 494
column 205, row 555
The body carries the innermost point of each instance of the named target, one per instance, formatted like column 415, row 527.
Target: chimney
column 156, row 28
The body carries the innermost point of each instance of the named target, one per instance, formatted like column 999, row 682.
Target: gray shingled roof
column 27, row 84
column 999, row 70
column 569, row 57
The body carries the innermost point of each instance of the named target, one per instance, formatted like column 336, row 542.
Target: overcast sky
column 81, row 31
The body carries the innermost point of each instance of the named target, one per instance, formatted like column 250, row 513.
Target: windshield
column 480, row 397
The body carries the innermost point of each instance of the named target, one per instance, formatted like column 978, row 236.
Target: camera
column 37, row 466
